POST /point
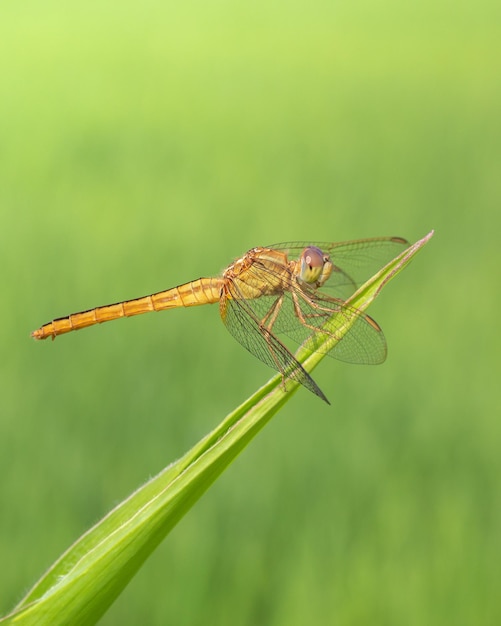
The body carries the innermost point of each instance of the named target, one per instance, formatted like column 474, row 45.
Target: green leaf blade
column 89, row 576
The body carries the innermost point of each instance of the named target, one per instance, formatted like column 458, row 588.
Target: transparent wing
column 239, row 318
column 311, row 316
column 354, row 261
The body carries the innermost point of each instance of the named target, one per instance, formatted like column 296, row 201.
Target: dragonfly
column 295, row 291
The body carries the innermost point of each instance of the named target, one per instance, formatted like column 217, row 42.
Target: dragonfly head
column 315, row 266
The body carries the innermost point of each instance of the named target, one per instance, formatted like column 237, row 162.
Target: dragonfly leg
column 267, row 323
column 270, row 317
column 303, row 318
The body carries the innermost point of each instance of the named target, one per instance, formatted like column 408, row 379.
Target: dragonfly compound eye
column 312, row 263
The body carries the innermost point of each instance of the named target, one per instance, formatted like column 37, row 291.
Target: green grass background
column 146, row 144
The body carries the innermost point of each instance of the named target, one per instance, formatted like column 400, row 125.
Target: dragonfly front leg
column 323, row 312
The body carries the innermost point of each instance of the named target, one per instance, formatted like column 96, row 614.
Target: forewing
column 354, row 261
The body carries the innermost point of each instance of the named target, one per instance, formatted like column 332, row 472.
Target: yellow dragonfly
column 284, row 290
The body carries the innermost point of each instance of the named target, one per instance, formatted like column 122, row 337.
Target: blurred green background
column 146, row 144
